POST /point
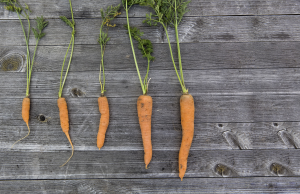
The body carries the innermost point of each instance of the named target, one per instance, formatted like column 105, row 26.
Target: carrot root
column 68, row 136
column 25, row 116
column 144, row 107
column 187, row 111
column 104, row 120
column 64, row 122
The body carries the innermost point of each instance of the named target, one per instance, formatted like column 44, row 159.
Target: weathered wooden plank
column 127, row 136
column 195, row 56
column 192, row 29
column 209, row 108
column 91, row 8
column 248, row 82
column 189, row 185
column 44, row 164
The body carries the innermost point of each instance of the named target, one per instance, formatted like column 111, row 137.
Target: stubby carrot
column 144, row 108
column 107, row 16
column 104, row 121
column 187, row 111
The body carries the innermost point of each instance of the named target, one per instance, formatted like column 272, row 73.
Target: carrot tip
column 181, row 179
column 23, row 137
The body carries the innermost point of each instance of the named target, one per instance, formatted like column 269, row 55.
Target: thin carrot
column 64, row 121
column 61, row 102
column 144, row 108
column 15, row 6
column 104, row 121
column 187, row 111
column 25, row 116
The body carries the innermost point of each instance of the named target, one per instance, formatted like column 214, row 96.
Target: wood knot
column 12, row 62
column 77, row 92
column 279, row 170
column 224, row 171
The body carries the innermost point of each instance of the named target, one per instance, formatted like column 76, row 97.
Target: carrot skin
column 104, row 120
column 187, row 111
column 64, row 121
column 26, row 109
column 144, row 108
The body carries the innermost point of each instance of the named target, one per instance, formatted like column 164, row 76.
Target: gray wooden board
column 192, row 29
column 45, row 164
column 240, row 64
column 189, row 185
column 195, row 56
column 91, row 8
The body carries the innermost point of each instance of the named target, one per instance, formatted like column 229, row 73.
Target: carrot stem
column 133, row 52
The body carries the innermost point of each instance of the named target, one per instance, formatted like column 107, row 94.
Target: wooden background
column 241, row 63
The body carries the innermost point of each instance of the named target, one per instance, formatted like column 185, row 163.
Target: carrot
column 144, row 108
column 144, row 102
column 64, row 121
column 104, row 121
column 187, row 111
column 107, row 16
column 25, row 116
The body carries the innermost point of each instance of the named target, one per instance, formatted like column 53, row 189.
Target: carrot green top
column 72, row 42
column 107, row 16
column 15, row 6
column 145, row 46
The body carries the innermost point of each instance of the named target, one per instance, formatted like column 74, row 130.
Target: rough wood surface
column 132, row 186
column 241, row 64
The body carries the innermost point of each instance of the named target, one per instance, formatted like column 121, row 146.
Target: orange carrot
column 104, row 121
column 64, row 121
column 25, row 116
column 144, row 108
column 187, row 111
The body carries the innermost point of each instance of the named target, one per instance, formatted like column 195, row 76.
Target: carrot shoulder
column 187, row 111
column 104, row 121
column 64, row 121
column 144, row 107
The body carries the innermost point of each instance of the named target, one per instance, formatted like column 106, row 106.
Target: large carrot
column 187, row 110
column 64, row 121
column 144, row 103
column 104, row 121
column 61, row 102
column 144, row 108
column 107, row 16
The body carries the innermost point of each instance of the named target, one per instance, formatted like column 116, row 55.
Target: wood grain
column 91, row 8
column 189, row 185
column 191, row 30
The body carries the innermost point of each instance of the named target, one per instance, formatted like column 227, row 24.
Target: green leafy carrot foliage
column 41, row 24
column 70, row 23
column 15, row 6
column 107, row 16
column 168, row 12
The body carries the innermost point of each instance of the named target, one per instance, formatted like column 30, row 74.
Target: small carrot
column 61, row 102
column 107, row 16
column 64, row 121
column 144, row 108
column 25, row 115
column 104, row 121
column 187, row 111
